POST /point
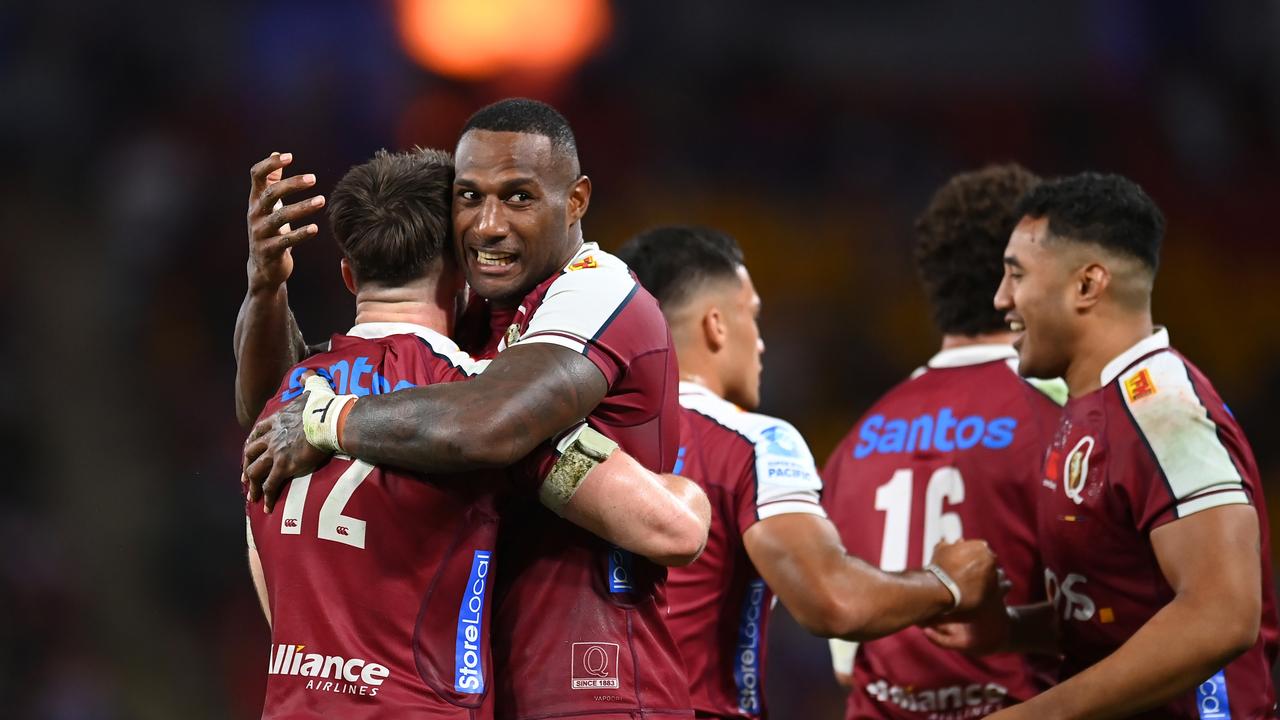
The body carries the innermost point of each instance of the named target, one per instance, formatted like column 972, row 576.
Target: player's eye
column 520, row 197
column 469, row 195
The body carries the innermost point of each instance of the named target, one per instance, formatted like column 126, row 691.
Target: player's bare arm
column 1210, row 559
column 664, row 518
column 267, row 339
column 834, row 594
column 527, row 395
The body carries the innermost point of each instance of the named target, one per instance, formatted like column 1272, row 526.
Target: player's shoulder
column 762, row 433
column 592, row 270
column 1165, row 395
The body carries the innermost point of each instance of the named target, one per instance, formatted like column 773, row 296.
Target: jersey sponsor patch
column 594, row 666
column 328, row 673
column 746, row 656
column 1140, row 385
column 468, row 675
column 1211, row 698
column 620, row 572
column 585, row 263
column 943, row 432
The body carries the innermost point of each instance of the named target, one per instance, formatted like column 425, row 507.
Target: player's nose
column 1003, row 299
column 492, row 222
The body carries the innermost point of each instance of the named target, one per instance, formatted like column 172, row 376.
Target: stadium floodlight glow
column 480, row 39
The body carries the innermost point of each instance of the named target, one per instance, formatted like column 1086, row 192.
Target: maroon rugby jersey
column 378, row 581
column 952, row 452
column 1154, row 444
column 752, row 467
column 579, row 625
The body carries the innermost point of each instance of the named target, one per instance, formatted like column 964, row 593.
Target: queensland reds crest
column 1075, row 471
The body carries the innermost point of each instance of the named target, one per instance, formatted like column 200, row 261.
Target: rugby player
column 953, row 451
column 579, row 623
column 379, row 579
column 1151, row 522
column 769, row 533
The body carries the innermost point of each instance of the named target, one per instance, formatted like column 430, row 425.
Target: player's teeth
column 1016, row 326
column 487, row 258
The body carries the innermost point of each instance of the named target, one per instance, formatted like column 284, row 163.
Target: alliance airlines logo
column 328, row 673
column 943, row 433
column 952, row 702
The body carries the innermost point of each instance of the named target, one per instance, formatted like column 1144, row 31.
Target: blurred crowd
column 812, row 133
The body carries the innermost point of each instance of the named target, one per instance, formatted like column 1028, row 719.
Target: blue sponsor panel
column 943, row 432
column 679, row 461
column 619, row 570
column 468, row 663
column 746, row 656
column 1211, row 698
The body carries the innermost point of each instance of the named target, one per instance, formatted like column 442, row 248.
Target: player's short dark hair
column 391, row 215
column 1108, row 210
column 522, row 115
column 960, row 242
column 673, row 263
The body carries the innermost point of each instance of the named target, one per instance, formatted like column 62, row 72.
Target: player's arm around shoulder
column 600, row 488
column 528, row 394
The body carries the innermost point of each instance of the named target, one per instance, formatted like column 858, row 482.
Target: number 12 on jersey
column 894, row 500
column 333, row 524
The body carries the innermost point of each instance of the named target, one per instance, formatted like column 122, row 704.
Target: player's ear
column 714, row 329
column 1091, row 282
column 579, row 198
column 348, row 276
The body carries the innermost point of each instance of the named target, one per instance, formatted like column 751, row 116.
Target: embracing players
column 1151, row 521
column 378, row 581
column 578, row 624
column 952, row 452
column 769, row 534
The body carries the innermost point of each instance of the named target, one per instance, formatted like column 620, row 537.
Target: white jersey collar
column 1158, row 340
column 971, row 355
column 688, row 387
column 373, row 330
column 586, row 249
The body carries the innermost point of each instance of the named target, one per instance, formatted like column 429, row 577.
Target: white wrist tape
column 320, row 417
column 947, row 582
column 581, row 451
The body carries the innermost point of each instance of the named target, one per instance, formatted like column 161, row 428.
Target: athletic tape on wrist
column 580, row 452
column 947, row 582
column 322, row 412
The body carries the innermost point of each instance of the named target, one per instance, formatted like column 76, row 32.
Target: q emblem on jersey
column 1139, row 385
column 1075, row 471
column 595, row 665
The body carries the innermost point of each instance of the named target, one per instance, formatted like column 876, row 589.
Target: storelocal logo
column 328, row 673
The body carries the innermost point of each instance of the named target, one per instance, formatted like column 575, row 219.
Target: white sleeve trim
column 1205, row 502
column 248, row 533
column 1178, row 429
column 789, row 507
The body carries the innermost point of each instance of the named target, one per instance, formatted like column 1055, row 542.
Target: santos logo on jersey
column 327, row 673
column 943, row 433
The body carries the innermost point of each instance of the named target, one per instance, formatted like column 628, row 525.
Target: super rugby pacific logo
column 468, row 674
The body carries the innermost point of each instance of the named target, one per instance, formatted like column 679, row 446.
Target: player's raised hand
column 277, row 451
column 972, row 566
column 271, row 236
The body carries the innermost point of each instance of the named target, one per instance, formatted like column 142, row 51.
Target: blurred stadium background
column 812, row 132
